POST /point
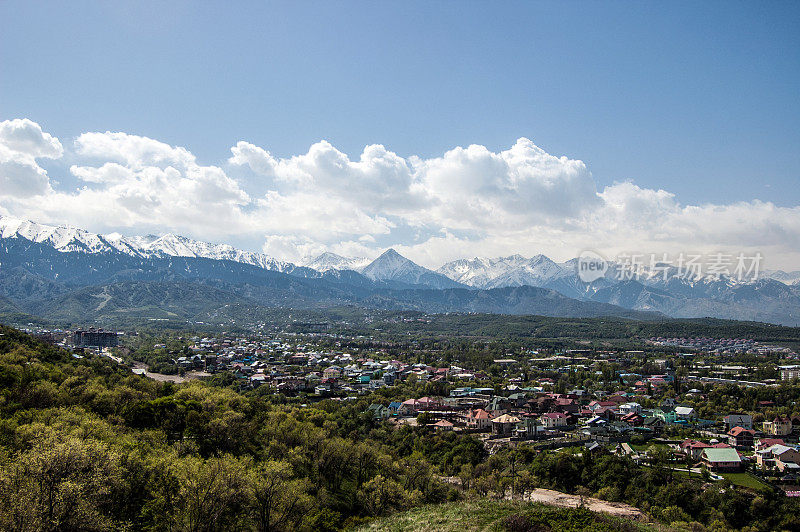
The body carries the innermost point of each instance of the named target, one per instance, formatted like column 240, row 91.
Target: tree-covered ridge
column 85, row 444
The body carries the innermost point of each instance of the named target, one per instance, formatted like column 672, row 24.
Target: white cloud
column 26, row 137
column 132, row 150
column 21, row 143
column 469, row 201
column 380, row 181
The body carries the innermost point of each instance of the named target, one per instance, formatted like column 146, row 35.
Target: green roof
column 722, row 455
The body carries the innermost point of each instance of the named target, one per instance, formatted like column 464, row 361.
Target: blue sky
column 698, row 99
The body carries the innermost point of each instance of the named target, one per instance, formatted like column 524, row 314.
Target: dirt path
column 565, row 500
column 141, row 368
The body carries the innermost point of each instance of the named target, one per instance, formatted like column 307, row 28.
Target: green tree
column 278, row 501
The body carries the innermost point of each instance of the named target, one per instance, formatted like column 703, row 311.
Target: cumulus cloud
column 147, row 182
column 22, row 142
column 380, row 180
column 26, row 137
column 469, row 201
column 132, row 150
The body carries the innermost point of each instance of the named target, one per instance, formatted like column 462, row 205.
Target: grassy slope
column 745, row 480
column 489, row 515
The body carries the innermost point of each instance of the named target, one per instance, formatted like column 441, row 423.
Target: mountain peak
column 328, row 260
column 392, row 253
column 392, row 266
column 329, row 255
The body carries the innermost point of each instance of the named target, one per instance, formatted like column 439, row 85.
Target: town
column 703, row 411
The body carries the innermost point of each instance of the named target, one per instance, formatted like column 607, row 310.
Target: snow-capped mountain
column 790, row 278
column 180, row 246
column 391, row 266
column 39, row 259
column 70, row 239
column 331, row 261
column 514, row 270
column 65, row 238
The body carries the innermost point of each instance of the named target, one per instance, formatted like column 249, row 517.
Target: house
column 499, row 405
column 685, row 413
column 408, row 407
column 518, row 399
column 258, row 379
column 478, row 419
column 320, row 389
column 694, row 448
column 593, row 446
column 738, row 420
column 594, row 406
column 789, row 372
column 379, row 411
column 554, row 419
column 668, row 403
column 667, row 416
column 628, row 408
column 527, row 428
column 633, row 419
column 333, row 372
column 780, row 457
column 504, row 425
column 596, row 421
column 617, row 399
column 442, row 426
column 394, row 406
column 567, row 405
column 741, row 438
column 540, row 404
column 722, row 459
column 764, row 443
column 428, row 403
column 780, row 426
column 656, row 424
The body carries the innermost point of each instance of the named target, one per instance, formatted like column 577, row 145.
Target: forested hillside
column 84, row 444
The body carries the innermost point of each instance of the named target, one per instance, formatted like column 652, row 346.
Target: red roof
column 737, row 431
column 691, row 444
column 480, row 414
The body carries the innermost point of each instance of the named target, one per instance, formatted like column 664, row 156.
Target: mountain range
column 59, row 271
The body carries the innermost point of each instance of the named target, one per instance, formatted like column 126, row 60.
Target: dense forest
column 85, row 444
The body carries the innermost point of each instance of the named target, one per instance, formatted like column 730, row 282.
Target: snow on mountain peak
column 513, row 270
column 331, row 261
column 392, row 266
column 70, row 239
